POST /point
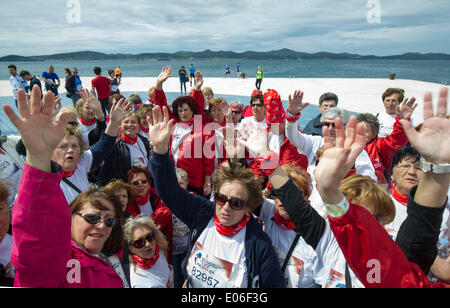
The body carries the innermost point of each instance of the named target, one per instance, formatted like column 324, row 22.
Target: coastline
column 355, row 94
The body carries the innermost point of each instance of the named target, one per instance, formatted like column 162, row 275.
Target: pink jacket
column 43, row 253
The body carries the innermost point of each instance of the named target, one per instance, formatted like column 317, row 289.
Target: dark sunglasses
column 94, row 219
column 139, row 182
column 257, row 105
column 141, row 242
column 235, row 203
column 328, row 124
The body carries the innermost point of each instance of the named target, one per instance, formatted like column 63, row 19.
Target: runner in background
column 118, row 74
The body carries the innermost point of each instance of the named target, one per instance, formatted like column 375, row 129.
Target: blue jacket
column 262, row 264
column 314, row 127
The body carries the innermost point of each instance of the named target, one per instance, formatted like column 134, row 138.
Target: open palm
column 160, row 129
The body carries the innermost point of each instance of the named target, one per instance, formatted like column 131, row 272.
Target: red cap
column 256, row 92
column 274, row 107
column 236, row 107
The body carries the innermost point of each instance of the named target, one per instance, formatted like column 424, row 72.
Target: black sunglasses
column 135, row 183
column 235, row 203
column 141, row 242
column 94, row 219
column 257, row 105
column 328, row 124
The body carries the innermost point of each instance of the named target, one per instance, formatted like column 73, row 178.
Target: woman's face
column 185, row 113
column 130, row 127
column 87, row 113
column 217, row 114
column 281, row 210
column 92, row 237
column 258, row 110
column 147, row 251
column 140, row 184
column 226, row 215
column 67, row 153
column 406, row 174
column 122, row 195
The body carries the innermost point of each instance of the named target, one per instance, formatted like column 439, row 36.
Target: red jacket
column 382, row 150
column 374, row 257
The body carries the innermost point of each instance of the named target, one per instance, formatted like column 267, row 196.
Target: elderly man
column 308, row 145
column 392, row 98
column 326, row 100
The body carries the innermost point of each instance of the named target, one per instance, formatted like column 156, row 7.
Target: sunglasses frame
column 231, row 202
column 113, row 220
column 149, row 238
column 143, row 182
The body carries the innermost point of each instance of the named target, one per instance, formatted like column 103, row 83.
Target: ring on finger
column 339, row 146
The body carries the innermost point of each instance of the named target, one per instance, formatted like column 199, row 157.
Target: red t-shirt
column 103, row 86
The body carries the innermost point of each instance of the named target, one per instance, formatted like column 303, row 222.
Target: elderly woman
column 187, row 142
column 91, row 117
column 224, row 235
column 148, row 254
column 130, row 150
column 54, row 245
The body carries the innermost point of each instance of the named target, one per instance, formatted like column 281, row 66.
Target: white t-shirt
column 180, row 133
column 304, row 264
column 79, row 178
column 138, row 154
column 218, row 261
column 157, row 276
column 146, row 209
column 400, row 216
column 85, row 130
column 387, row 122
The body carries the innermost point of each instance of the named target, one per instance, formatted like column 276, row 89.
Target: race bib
column 208, row 271
column 79, row 88
column 7, row 166
column 114, row 88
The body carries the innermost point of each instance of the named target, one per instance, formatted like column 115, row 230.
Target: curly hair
column 183, row 100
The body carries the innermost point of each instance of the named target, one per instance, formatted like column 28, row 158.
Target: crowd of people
column 199, row 192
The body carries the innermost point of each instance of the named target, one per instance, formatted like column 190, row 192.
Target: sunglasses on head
column 139, row 182
column 235, row 203
column 94, row 219
column 141, row 242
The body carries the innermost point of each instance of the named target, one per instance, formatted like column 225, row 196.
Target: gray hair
column 181, row 173
column 369, row 119
column 336, row 112
column 135, row 98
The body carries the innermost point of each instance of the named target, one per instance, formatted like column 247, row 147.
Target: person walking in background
column 115, row 82
column 238, row 70
column 183, row 78
column 51, row 80
column 191, row 74
column 118, row 73
column 259, row 77
column 227, row 71
column 73, row 86
column 26, row 75
column 16, row 81
column 102, row 85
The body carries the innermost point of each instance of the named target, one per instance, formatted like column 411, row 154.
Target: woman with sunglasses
column 54, row 245
column 148, row 254
column 224, row 235
column 191, row 145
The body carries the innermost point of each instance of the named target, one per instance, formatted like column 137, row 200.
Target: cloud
column 41, row 27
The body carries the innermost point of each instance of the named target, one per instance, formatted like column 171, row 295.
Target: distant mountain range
column 282, row 54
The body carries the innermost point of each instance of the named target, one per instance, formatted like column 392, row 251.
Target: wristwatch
column 435, row 168
column 337, row 210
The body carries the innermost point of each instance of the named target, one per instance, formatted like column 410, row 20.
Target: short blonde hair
column 74, row 131
column 370, row 194
column 63, row 110
column 145, row 222
column 208, row 90
column 215, row 102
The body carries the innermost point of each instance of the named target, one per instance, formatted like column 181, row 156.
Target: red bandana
column 397, row 196
column 231, row 230
column 142, row 200
column 145, row 129
column 88, row 123
column 128, row 140
column 68, row 174
column 146, row 263
column 283, row 224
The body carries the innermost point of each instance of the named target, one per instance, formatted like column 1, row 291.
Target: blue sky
column 377, row 27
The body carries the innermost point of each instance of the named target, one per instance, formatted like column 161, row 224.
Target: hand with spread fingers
column 163, row 76
column 160, row 129
column 92, row 101
column 198, row 81
column 336, row 161
column 406, row 108
column 295, row 103
column 433, row 140
column 39, row 134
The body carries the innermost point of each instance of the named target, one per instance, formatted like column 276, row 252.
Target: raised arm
column 160, row 96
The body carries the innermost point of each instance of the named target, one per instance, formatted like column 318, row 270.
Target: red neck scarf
column 88, row 123
column 145, row 129
column 283, row 224
column 142, row 200
column 231, row 230
column 128, row 140
column 68, row 174
column 398, row 196
column 146, row 263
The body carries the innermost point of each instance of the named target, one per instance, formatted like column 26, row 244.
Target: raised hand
column 433, row 140
column 336, row 161
column 39, row 134
column 92, row 101
column 296, row 105
column 406, row 108
column 119, row 110
column 160, row 129
column 255, row 138
column 163, row 76
column 198, row 81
